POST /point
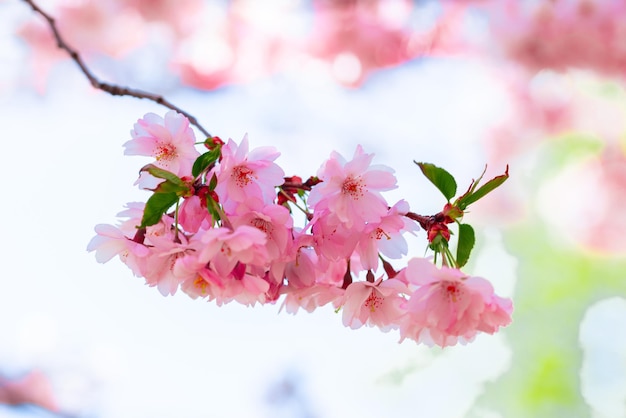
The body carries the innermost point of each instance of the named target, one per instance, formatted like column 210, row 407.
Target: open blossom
column 385, row 237
column 111, row 241
column 312, row 280
column 311, row 298
column 192, row 214
column 351, row 189
column 225, row 248
column 376, row 304
column 247, row 177
column 276, row 222
column 159, row 265
column 448, row 306
column 333, row 239
column 242, row 284
column 169, row 140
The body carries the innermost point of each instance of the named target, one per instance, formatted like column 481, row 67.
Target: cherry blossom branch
column 112, row 89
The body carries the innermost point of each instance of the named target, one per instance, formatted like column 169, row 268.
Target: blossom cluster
column 210, row 45
column 562, row 34
column 219, row 226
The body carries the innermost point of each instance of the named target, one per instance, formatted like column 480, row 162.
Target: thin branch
column 106, row 87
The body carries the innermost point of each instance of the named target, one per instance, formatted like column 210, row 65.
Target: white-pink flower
column 447, row 306
column 276, row 222
column 351, row 189
column 191, row 214
column 311, row 298
column 385, row 237
column 159, row 266
column 111, row 241
column 224, row 249
column 375, row 304
column 169, row 140
column 334, row 240
column 247, row 177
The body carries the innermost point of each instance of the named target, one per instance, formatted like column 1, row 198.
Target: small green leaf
column 440, row 178
column 163, row 174
column 213, row 182
column 212, row 207
column 156, row 206
column 205, row 160
column 465, row 200
column 467, row 238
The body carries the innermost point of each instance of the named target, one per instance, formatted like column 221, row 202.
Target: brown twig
column 106, row 87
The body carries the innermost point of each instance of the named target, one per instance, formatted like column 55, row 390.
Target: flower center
column 373, row 302
column 262, row 224
column 200, row 284
column 452, row 291
column 379, row 233
column 242, row 175
column 353, row 187
column 225, row 250
column 165, row 152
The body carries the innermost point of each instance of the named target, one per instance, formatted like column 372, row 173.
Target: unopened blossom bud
column 451, row 213
column 437, row 230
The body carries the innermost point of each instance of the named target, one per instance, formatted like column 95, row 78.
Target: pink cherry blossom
column 247, row 289
column 192, row 215
column 225, row 248
column 312, row 280
column 311, row 298
column 385, row 237
column 375, row 304
column 200, row 279
column 110, row 241
column 224, row 265
column 134, row 213
column 333, row 239
column 276, row 222
column 447, row 306
column 159, row 266
column 200, row 285
column 247, row 177
column 169, row 140
column 302, row 271
column 351, row 189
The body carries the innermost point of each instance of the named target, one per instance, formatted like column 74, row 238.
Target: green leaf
column 465, row 200
column 213, row 182
column 440, row 178
column 205, row 160
column 169, row 187
column 212, row 207
column 163, row 174
column 467, row 238
column 156, row 206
